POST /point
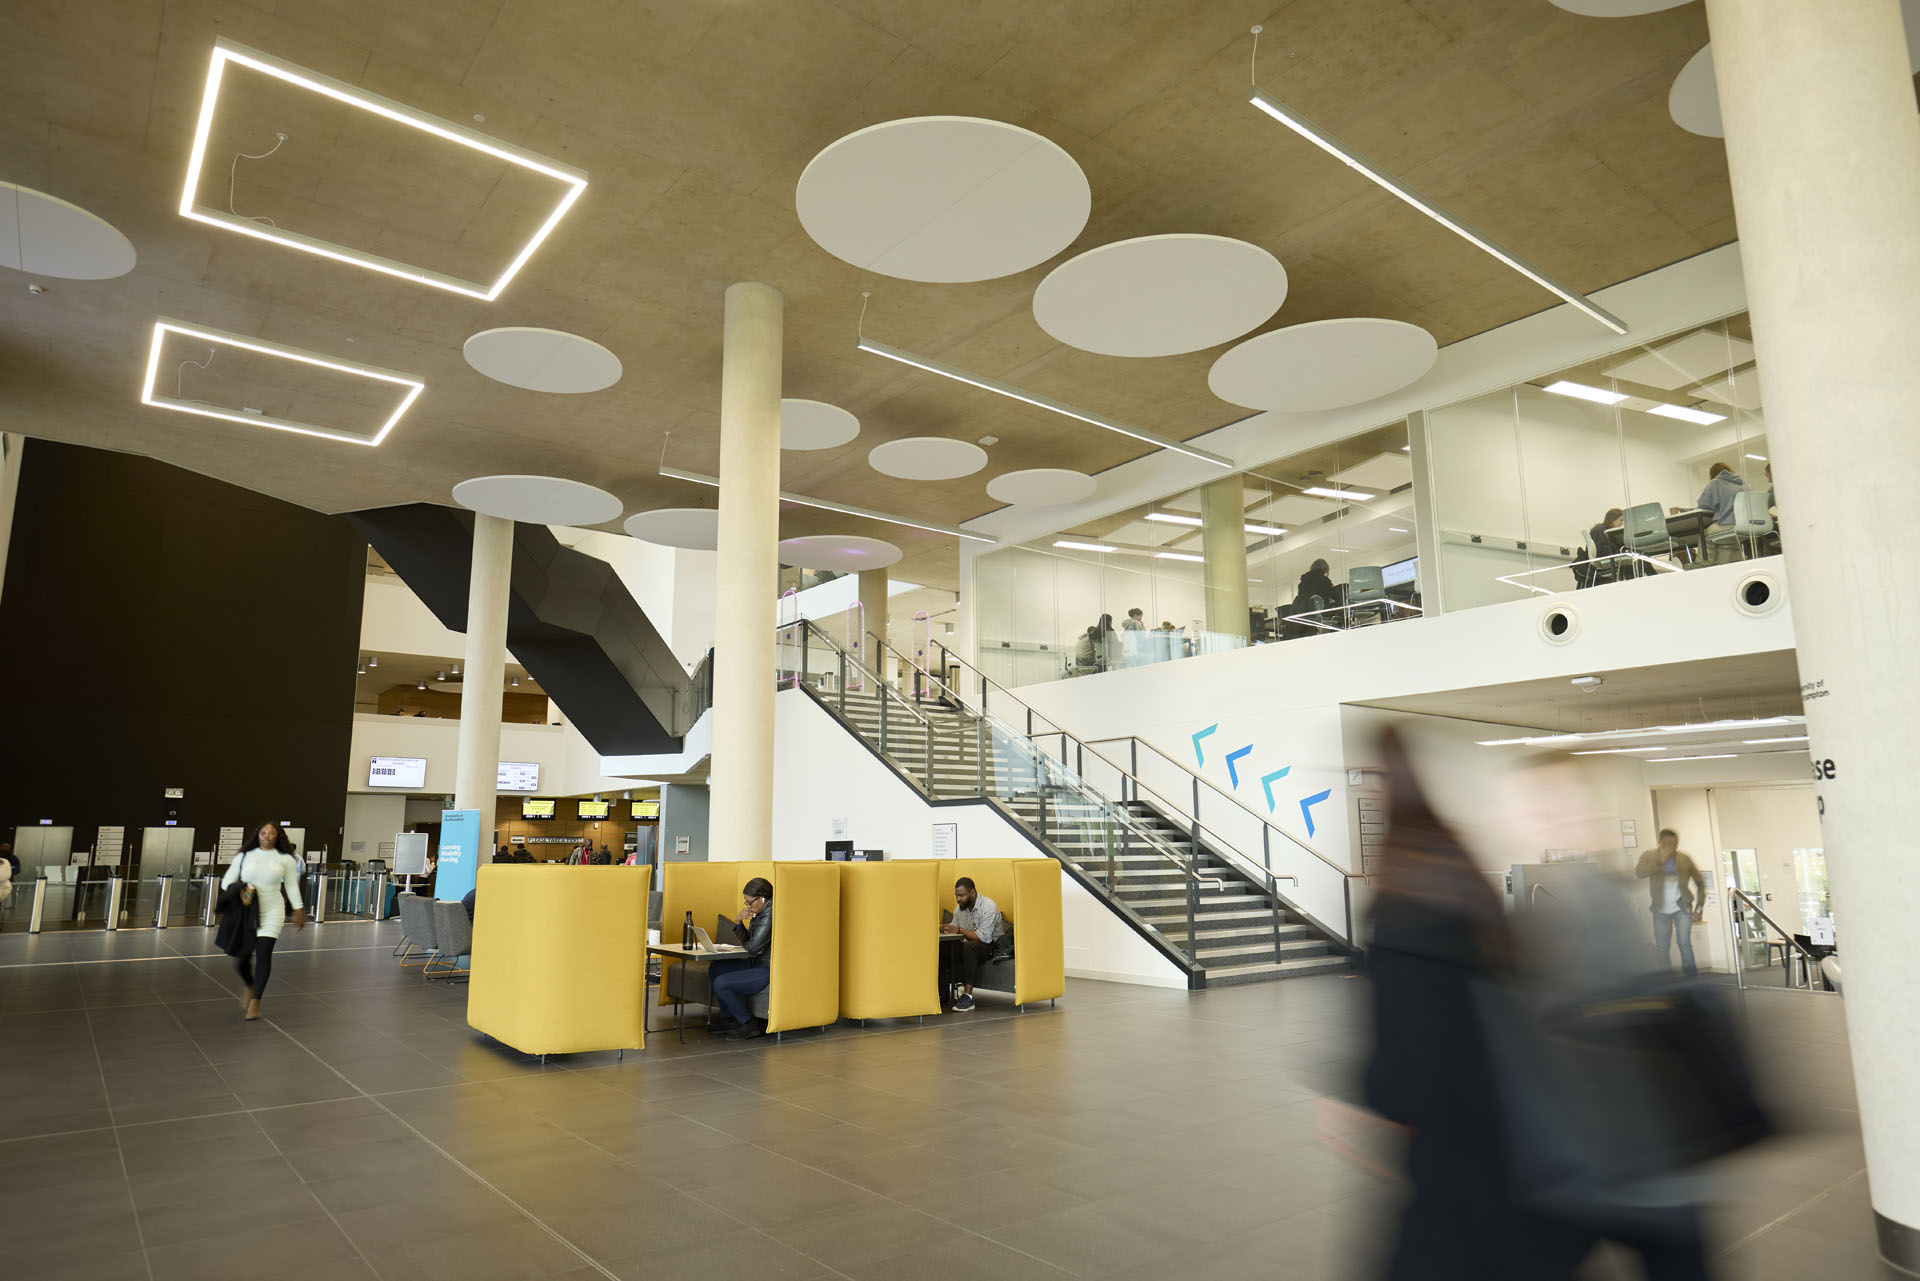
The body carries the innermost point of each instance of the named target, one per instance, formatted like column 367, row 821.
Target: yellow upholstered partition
column 559, row 958
column 1039, row 935
column 889, row 947
column 1027, row 891
column 804, row 989
column 707, row 890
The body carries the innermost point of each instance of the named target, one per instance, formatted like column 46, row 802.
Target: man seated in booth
column 977, row 920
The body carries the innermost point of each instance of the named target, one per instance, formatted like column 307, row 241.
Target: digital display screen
column 595, row 809
column 646, row 809
column 1401, row 571
column 397, row 771
column 518, row 776
column 531, row 808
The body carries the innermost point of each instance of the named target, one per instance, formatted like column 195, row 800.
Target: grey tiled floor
column 362, row 1130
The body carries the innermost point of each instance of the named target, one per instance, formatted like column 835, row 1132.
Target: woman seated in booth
column 737, row 980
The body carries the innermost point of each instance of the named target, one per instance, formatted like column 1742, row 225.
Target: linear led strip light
column 1353, row 160
column 701, row 478
column 220, row 337
column 1042, row 402
column 225, row 51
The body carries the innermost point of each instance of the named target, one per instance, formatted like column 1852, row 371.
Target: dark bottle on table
column 686, row 933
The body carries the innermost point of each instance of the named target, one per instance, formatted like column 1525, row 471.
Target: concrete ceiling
column 1741, row 686
column 694, row 120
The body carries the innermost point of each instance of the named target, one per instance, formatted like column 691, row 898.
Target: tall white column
column 746, row 576
column 1823, row 147
column 1223, row 515
column 477, row 768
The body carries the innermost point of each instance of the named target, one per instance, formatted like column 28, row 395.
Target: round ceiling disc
column 46, row 236
column 1323, row 364
column 1694, row 100
column 1160, row 295
column 1617, row 8
column 1041, row 487
column 538, row 500
column 943, row 199
column 843, row 553
column 814, row 424
column 927, row 458
column 693, row 528
column 543, row 360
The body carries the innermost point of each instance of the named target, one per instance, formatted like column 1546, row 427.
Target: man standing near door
column 1677, row 895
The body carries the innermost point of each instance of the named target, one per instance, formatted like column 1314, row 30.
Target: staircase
column 1197, row 904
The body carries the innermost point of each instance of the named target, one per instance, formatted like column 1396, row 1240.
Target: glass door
column 1740, row 870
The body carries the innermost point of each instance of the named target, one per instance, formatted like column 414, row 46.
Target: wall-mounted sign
column 682, row 847
column 946, row 840
column 176, row 793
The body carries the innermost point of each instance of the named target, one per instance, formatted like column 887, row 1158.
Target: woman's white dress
column 267, row 871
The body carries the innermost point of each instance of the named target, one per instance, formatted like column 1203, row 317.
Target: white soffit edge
column 1685, row 360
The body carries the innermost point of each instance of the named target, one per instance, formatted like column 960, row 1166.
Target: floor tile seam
column 455, row 1161
column 1809, row 1203
column 176, row 956
column 60, row 1134
column 120, row 1153
column 324, row 1207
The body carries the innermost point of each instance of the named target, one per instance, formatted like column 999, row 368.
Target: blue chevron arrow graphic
column 1200, row 757
column 1233, row 775
column 1306, row 807
column 1267, row 782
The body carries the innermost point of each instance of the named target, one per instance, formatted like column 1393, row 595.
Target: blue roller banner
column 459, row 854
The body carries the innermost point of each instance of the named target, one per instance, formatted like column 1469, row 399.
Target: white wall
column 821, row 773
column 371, row 822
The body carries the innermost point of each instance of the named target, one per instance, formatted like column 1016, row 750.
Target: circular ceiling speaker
column 1160, row 295
column 1323, row 364
column 543, row 360
column 693, row 528
column 1617, row 8
column 927, row 458
column 814, row 424
column 843, row 553
column 943, row 199
column 1041, row 487
column 46, row 236
column 538, row 500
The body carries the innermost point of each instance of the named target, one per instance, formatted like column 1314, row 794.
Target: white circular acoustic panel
column 1160, row 295
column 1041, row 487
column 943, row 199
column 538, row 500
column 1323, row 364
column 45, row 236
column 843, row 553
column 1694, row 100
column 813, row 424
column 927, row 458
column 1617, row 8
column 543, row 360
column 694, row 528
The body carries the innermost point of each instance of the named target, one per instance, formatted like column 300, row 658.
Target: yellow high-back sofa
column 803, row 989
column 559, row 958
column 1027, row 891
column 889, row 940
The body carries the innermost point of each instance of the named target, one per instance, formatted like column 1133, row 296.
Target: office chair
column 1600, row 567
column 1751, row 523
column 1366, row 589
column 1645, row 532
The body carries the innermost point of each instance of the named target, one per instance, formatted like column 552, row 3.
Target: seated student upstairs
column 977, row 920
column 1723, row 482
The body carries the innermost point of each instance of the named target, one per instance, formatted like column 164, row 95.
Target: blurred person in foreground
column 1438, row 932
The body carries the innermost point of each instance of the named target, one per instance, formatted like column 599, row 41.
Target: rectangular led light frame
column 1174, row 518
column 1038, row 401
column 1699, row 417
column 1379, row 177
column 701, row 478
column 220, row 337
column 1198, row 560
column 1352, row 495
column 226, row 51
column 1581, row 391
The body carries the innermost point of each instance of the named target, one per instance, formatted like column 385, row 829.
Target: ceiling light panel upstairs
column 365, row 180
column 210, row 373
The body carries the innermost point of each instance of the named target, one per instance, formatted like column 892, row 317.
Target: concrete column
column 1223, row 511
column 477, row 767
column 873, row 604
column 1823, row 148
column 746, row 576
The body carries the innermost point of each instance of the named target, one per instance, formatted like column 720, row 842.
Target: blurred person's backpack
column 1610, row 1079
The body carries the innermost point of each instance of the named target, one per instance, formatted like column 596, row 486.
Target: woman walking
column 263, row 872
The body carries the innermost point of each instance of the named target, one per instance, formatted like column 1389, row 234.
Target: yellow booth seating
column 889, row 950
column 1027, row 891
column 804, row 988
column 559, row 958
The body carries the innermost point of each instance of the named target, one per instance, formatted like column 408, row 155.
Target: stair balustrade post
column 883, row 717
column 980, row 749
column 1193, row 905
column 841, row 694
column 804, row 647
column 928, row 727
